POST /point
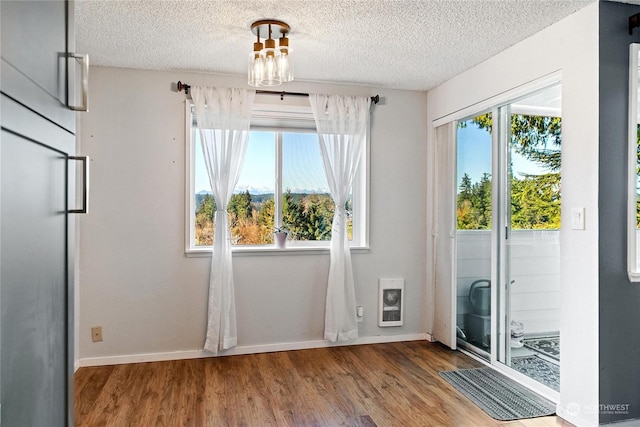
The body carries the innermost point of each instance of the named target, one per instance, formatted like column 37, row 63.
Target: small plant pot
column 281, row 239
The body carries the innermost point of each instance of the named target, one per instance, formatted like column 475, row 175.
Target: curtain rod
column 183, row 86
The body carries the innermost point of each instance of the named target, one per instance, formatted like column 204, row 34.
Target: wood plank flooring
column 394, row 384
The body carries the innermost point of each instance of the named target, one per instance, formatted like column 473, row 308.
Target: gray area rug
column 538, row 369
column 497, row 395
column 549, row 346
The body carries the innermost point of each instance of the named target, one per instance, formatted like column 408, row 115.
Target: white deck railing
column 534, row 265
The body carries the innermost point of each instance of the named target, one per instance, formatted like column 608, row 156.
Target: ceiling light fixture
column 268, row 65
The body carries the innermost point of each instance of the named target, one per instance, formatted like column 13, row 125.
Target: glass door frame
column 489, row 356
column 501, row 353
column 501, row 220
column 500, row 232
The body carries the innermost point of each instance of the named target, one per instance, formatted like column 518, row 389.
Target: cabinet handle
column 84, row 76
column 85, row 184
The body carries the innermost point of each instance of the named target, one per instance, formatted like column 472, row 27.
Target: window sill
column 271, row 251
column 634, row 276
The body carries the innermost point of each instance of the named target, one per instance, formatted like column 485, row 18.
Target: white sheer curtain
column 444, row 234
column 342, row 123
column 223, row 117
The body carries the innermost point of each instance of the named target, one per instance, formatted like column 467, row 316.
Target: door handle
column 83, row 58
column 85, row 184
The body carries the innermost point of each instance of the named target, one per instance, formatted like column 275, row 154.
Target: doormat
column 549, row 346
column 499, row 396
column 538, row 369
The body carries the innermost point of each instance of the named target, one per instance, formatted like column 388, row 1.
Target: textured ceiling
column 400, row 44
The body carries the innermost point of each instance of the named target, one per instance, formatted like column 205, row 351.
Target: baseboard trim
column 254, row 349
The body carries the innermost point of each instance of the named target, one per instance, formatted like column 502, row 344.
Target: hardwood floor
column 394, row 384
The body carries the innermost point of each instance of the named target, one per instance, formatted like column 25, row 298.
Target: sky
column 474, row 155
column 302, row 167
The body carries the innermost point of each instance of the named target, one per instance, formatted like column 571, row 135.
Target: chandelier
column 270, row 65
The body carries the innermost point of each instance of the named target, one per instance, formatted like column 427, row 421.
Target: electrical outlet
column 96, row 333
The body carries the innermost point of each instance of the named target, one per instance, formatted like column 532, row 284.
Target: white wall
column 150, row 299
column 570, row 46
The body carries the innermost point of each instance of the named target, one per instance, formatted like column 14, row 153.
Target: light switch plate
column 577, row 218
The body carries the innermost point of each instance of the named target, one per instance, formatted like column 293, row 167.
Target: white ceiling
column 399, row 44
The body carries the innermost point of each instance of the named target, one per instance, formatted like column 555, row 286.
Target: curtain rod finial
column 634, row 22
column 184, row 86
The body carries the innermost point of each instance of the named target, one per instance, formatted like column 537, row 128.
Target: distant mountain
column 253, row 190
column 266, row 190
column 308, row 190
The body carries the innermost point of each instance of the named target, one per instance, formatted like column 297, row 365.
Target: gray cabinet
column 37, row 189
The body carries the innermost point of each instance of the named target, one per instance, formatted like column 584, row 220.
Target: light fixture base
column 278, row 28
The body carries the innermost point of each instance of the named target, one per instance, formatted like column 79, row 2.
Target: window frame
column 633, row 254
column 291, row 117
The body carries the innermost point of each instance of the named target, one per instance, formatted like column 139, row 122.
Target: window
column 282, row 184
column 633, row 184
column 534, row 133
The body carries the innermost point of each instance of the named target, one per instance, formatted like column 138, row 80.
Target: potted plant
column 280, row 237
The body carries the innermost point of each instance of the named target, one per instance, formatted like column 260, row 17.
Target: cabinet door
column 34, row 280
column 36, row 237
column 36, row 35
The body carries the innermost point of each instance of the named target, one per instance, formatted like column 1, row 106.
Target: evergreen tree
column 464, row 192
column 536, row 202
column 293, row 216
column 207, row 206
column 240, row 205
column 483, row 201
column 326, row 209
column 466, row 218
column 537, row 138
column 319, row 216
column 204, row 221
column 535, row 199
column 266, row 220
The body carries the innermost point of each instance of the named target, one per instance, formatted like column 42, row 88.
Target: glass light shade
column 285, row 67
column 270, row 65
column 271, row 76
column 256, row 70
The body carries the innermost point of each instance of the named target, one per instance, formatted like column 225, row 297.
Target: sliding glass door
column 530, row 287
column 474, row 164
column 507, row 250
